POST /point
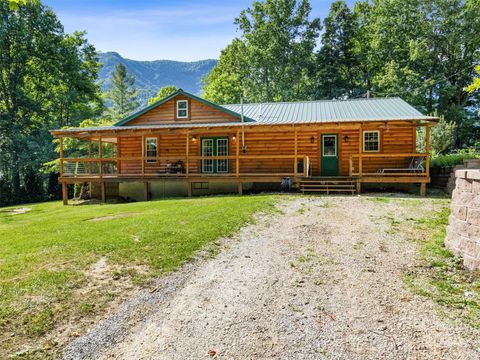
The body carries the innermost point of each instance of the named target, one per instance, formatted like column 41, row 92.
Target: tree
column 441, row 137
column 229, row 79
column 14, row 4
column 475, row 85
column 424, row 52
column 123, row 94
column 338, row 60
column 48, row 81
column 276, row 54
column 162, row 93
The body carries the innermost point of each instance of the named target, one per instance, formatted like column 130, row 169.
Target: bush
column 454, row 159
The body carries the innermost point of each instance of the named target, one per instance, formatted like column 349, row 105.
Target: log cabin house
column 184, row 145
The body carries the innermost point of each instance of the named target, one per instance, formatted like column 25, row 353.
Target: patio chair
column 414, row 166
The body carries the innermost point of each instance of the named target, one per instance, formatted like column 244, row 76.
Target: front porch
column 247, row 157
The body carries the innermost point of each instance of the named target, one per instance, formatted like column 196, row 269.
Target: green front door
column 329, row 159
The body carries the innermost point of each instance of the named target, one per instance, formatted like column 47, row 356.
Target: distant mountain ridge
column 152, row 75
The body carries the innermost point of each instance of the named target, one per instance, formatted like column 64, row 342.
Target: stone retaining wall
column 463, row 231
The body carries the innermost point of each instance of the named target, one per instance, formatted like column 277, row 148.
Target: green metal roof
column 302, row 112
column 169, row 97
column 324, row 111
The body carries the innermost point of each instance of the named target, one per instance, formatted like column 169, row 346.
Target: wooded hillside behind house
column 424, row 51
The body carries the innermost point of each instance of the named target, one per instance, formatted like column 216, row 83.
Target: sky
column 186, row 30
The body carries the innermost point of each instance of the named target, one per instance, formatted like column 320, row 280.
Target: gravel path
column 322, row 279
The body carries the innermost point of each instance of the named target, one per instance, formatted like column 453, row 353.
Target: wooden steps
column 327, row 185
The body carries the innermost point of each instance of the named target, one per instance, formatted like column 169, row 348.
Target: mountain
column 152, row 75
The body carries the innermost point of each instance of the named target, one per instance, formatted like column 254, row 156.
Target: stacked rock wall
column 463, row 231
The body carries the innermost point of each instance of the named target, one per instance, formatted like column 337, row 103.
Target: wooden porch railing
column 109, row 167
column 363, row 160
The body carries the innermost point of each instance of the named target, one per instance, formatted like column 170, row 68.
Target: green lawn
column 440, row 276
column 46, row 254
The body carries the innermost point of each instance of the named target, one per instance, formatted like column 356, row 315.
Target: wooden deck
column 256, row 155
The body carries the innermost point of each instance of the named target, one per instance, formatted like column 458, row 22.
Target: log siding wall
column 267, row 141
column 198, row 112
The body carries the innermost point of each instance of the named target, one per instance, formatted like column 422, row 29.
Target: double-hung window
column 151, row 149
column 182, row 109
column 371, row 141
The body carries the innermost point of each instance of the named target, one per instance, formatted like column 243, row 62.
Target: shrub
column 454, row 159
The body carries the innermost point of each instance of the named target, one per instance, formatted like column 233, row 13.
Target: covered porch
column 239, row 155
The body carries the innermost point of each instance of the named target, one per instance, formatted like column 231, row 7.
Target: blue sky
column 164, row 29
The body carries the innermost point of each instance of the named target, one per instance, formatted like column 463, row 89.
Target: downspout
column 244, row 148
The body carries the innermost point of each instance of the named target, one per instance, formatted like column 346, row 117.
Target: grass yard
column 440, row 276
column 62, row 265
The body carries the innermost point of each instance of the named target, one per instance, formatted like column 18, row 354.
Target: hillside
column 152, row 75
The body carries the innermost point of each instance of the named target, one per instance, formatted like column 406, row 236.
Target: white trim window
column 329, row 145
column 371, row 141
column 151, row 149
column 182, row 109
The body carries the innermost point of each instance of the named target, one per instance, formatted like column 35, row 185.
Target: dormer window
column 182, row 109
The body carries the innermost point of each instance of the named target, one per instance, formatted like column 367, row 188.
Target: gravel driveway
column 321, row 279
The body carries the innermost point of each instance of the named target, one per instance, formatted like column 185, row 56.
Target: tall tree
column 475, row 85
column 123, row 94
column 162, row 93
column 47, row 80
column 277, row 41
column 425, row 51
column 338, row 61
column 229, row 79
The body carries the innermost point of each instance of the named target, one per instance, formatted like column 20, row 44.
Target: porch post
column 237, row 159
column 360, row 150
column 90, row 157
column 187, row 153
column 423, row 189
column 143, row 155
column 423, row 185
column 65, row 193
column 295, row 144
column 61, row 157
column 240, row 188
column 145, row 191
column 103, row 191
column 427, row 150
column 100, row 155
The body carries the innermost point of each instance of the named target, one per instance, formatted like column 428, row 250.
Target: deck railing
column 400, row 168
column 159, row 166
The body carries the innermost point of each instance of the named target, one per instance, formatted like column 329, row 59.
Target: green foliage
column 163, row 93
column 14, row 4
column 421, row 50
column 424, row 51
column 47, row 254
column 441, row 277
column 441, row 137
column 454, row 158
column 338, row 61
column 123, row 94
column 475, row 85
column 272, row 58
column 228, row 80
column 48, row 81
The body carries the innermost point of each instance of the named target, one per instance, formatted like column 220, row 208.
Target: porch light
column 345, row 138
column 194, row 138
column 312, row 139
column 234, row 138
